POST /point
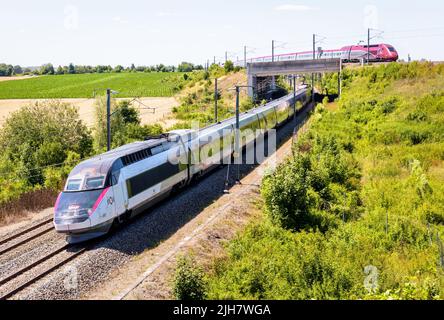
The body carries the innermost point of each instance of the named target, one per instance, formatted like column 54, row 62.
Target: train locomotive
column 113, row 187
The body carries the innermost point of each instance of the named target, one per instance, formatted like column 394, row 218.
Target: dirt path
column 2, row 79
column 149, row 275
column 161, row 115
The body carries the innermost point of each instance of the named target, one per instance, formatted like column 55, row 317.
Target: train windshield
column 73, row 185
column 391, row 49
column 76, row 207
column 74, row 201
column 88, row 183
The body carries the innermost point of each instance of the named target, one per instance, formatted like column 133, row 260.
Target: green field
column 84, row 85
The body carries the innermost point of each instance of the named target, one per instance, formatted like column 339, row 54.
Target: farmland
column 84, row 85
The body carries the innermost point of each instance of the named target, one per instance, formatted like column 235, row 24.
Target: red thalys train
column 378, row 53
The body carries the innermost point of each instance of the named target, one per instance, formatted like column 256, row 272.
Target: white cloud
column 294, row 7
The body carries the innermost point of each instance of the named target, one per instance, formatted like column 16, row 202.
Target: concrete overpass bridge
column 261, row 75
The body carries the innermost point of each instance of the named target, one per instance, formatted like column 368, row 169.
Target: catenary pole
column 108, row 118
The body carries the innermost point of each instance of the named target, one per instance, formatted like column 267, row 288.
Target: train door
column 185, row 159
column 194, row 157
column 118, row 198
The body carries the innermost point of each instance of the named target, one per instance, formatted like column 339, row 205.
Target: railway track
column 48, row 228
column 42, row 267
column 23, row 277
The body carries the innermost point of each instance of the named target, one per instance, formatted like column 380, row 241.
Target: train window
column 94, row 183
column 150, row 178
column 157, row 150
column 73, row 185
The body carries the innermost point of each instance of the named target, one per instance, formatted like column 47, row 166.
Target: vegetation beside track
column 358, row 212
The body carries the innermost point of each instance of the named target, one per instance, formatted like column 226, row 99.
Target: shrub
column 31, row 144
column 189, row 281
column 286, row 193
column 229, row 67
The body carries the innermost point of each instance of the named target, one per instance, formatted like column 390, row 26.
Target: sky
column 170, row 31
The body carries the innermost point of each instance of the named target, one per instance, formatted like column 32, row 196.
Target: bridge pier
column 252, row 82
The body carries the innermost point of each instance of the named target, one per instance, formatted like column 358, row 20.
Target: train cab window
column 94, row 183
column 168, row 145
column 157, row 150
column 73, row 185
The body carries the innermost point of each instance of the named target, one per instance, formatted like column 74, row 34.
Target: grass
column 84, row 86
column 372, row 200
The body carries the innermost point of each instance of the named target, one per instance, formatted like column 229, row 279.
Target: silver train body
column 115, row 186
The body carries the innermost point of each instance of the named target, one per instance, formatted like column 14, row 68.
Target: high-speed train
column 115, row 186
column 378, row 53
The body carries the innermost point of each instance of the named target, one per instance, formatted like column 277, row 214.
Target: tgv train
column 378, row 53
column 115, row 186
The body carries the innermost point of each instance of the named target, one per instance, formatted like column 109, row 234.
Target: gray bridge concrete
column 258, row 73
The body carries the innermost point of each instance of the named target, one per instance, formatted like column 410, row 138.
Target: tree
column 47, row 69
column 18, row 70
column 60, row 70
column 229, row 66
column 6, row 70
column 71, row 69
column 125, row 124
column 118, row 69
column 30, row 143
column 160, row 68
column 185, row 67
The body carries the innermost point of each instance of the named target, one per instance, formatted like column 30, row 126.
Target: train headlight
column 71, row 216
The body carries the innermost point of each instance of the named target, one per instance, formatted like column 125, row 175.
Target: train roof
column 101, row 164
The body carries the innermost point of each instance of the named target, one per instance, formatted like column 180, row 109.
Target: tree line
column 49, row 69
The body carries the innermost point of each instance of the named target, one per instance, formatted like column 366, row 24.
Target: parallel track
column 15, row 288
column 47, row 270
column 24, row 232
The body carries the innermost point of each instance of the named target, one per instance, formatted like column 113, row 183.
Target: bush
column 32, row 144
column 286, row 193
column 229, row 67
column 189, row 281
column 314, row 188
